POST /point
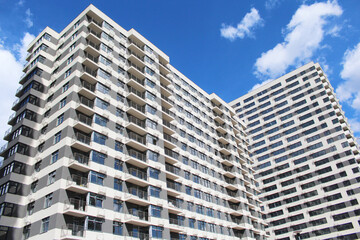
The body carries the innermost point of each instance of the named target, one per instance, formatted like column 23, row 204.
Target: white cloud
column 10, row 73
column 334, row 31
column 305, row 32
column 354, row 124
column 251, row 20
column 28, row 19
column 21, row 2
column 22, row 47
column 260, row 84
column 270, row 4
column 349, row 90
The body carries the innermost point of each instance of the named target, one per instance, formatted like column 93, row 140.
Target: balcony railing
column 138, row 173
column 87, row 102
column 171, row 153
column 172, row 169
column 91, row 57
column 140, row 236
column 169, row 125
column 79, row 180
column 75, row 229
column 175, row 203
column 77, row 204
column 142, row 215
column 138, row 192
column 88, row 86
column 136, row 106
column 137, row 121
column 138, row 80
column 176, row 221
column 84, row 119
column 170, row 138
column 82, row 138
column 136, row 92
column 173, row 185
column 136, row 137
column 138, row 155
column 81, row 158
column 90, row 71
column 168, row 112
column 90, row 43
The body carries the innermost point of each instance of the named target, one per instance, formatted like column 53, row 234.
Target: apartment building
column 306, row 157
column 109, row 141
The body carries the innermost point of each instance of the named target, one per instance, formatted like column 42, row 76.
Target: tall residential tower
column 109, row 141
column 306, row 157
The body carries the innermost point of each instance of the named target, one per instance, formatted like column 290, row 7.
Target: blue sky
column 235, row 44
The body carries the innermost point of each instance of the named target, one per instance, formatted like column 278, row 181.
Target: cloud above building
column 245, row 28
column 304, row 35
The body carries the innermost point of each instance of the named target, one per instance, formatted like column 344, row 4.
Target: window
column 100, row 120
column 60, row 120
column 51, row 177
column 155, row 191
column 101, row 104
column 54, row 157
column 26, row 231
column 97, row 178
column 94, row 223
column 152, row 155
column 156, row 211
column 62, row 103
column 119, row 113
column 117, row 228
column 98, row 157
column 117, row 184
column 118, row 205
column 37, row 166
column 67, row 73
column 70, row 59
column 48, row 200
column 34, row 186
column 45, row 224
column 157, row 231
column 99, row 138
column 192, row 223
column 57, row 137
column 118, row 165
column 119, row 146
column 154, row 173
column 65, row 87
column 96, row 200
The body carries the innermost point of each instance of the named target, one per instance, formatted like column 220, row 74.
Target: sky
column 227, row 47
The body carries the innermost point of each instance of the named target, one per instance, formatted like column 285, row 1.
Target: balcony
column 85, row 105
column 136, row 95
column 135, row 124
column 87, row 90
column 83, row 123
column 89, row 74
column 135, row 70
column 167, row 102
column 77, row 183
column 136, row 82
column 136, row 158
column 174, row 205
column 80, row 162
column 170, row 128
column 140, row 236
column 90, row 61
column 92, row 48
column 137, row 196
column 81, row 141
column 167, row 114
column 75, row 207
column 172, row 171
column 137, row 217
column 172, row 156
column 164, row 79
column 136, row 110
column 136, row 141
column 72, row 231
column 137, row 176
column 171, row 185
column 170, row 141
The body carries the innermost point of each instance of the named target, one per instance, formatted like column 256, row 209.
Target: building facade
column 306, row 157
column 109, row 141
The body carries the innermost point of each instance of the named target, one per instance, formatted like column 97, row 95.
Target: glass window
column 99, row 138
column 97, row 178
column 45, row 224
column 94, row 223
column 51, row 177
column 155, row 191
column 98, row 157
column 48, row 200
column 154, row 173
column 100, row 120
column 54, row 156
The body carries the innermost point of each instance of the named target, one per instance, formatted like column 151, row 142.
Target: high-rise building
column 306, row 158
column 109, row 141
